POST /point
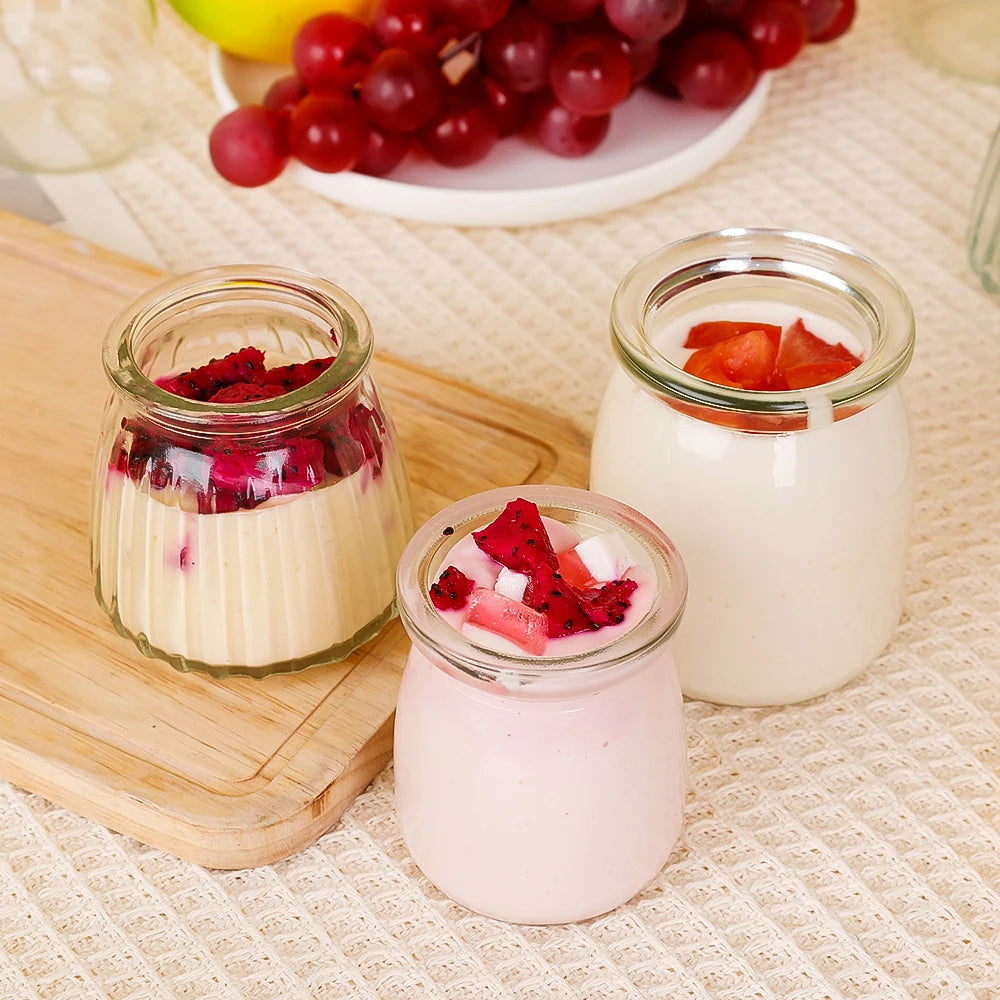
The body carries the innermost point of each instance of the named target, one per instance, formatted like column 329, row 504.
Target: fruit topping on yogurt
column 221, row 472
column 763, row 356
column 531, row 584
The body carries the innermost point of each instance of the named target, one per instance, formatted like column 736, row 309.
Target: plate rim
column 512, row 207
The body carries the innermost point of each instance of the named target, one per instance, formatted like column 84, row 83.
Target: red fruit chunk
column 744, row 361
column 607, row 605
column 573, row 570
column 713, row 331
column 204, row 382
column 558, row 601
column 517, row 539
column 245, row 392
column 509, row 619
column 294, row 376
column 803, row 376
column 800, row 347
column 452, row 590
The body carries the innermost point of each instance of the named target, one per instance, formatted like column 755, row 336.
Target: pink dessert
column 539, row 755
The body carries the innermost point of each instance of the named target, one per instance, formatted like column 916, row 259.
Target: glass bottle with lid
column 541, row 788
column 791, row 508
column 249, row 537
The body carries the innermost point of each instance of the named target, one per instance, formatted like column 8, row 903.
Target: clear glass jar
column 246, row 538
column 791, row 508
column 79, row 81
column 540, row 789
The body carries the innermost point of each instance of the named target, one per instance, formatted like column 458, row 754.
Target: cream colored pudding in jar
column 250, row 503
column 539, row 737
column 790, row 505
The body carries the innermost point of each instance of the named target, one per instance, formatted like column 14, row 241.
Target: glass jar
column 540, row 789
column 790, row 508
column 956, row 36
column 982, row 236
column 79, row 81
column 247, row 537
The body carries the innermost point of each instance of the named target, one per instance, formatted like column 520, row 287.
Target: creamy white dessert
column 542, row 797
column 795, row 542
column 289, row 579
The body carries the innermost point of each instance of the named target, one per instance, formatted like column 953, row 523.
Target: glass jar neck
column 766, row 266
column 216, row 311
column 527, row 675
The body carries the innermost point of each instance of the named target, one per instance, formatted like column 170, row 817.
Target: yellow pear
column 261, row 29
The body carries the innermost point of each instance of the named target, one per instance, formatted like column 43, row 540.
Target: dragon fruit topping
column 451, row 592
column 517, row 539
column 531, row 594
column 222, row 475
column 205, row 381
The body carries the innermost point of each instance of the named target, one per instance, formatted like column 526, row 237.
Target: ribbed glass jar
column 790, row 508
column 249, row 537
column 549, row 788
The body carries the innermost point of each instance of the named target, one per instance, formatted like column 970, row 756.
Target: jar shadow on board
column 790, row 507
column 252, row 523
column 547, row 786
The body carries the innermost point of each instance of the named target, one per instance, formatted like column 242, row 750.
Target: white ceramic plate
column 654, row 145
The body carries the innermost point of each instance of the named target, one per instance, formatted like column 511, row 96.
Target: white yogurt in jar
column 540, row 789
column 290, row 579
column 795, row 541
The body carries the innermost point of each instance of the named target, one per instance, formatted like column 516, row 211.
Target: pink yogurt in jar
column 541, row 779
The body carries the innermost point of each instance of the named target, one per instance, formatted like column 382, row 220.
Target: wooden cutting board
column 227, row 774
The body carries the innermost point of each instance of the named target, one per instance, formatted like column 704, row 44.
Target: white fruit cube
column 606, row 556
column 511, row 584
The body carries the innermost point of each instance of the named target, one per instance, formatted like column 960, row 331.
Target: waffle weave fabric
column 843, row 849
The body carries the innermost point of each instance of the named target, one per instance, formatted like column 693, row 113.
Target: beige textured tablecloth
column 845, row 848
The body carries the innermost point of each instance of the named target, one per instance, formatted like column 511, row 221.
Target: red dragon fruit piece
column 245, row 392
column 452, row 590
column 561, row 604
column 293, row 468
column 367, row 428
column 294, row 376
column 607, row 605
column 244, row 365
column 518, row 540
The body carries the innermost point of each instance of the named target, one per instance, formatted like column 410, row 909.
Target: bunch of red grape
column 453, row 76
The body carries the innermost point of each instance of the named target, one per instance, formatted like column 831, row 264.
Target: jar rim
column 425, row 623
column 778, row 253
column 336, row 382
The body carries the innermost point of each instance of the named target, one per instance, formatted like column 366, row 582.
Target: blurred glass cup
column 79, row 82
column 956, row 36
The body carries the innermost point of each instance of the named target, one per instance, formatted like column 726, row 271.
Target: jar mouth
column 767, row 265
column 169, row 306
column 426, row 554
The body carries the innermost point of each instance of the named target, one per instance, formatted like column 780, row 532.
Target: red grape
column 284, row 94
column 465, row 128
column 382, row 152
column 248, row 145
column 565, row 11
column 517, row 52
column 565, row 132
column 647, row 20
column 840, row 23
column 401, row 90
column 641, row 57
column 713, row 69
column 474, row 15
column 590, row 74
column 409, row 24
column 509, row 107
column 726, row 10
column 332, row 51
column 327, row 132
column 820, row 14
column 775, row 31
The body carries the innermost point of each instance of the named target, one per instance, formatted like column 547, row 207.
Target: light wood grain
column 230, row 773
